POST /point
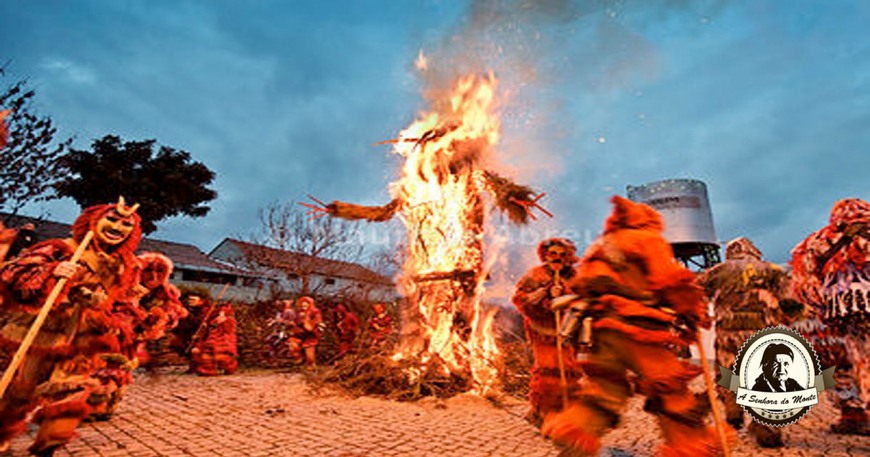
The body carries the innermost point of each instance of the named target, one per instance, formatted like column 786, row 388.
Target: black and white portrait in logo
column 778, row 368
column 777, row 364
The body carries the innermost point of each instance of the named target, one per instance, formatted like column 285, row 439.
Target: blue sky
column 767, row 102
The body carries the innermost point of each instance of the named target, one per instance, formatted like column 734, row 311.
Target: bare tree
column 388, row 261
column 300, row 243
column 29, row 161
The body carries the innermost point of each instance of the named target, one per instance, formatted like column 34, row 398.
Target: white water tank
column 685, row 208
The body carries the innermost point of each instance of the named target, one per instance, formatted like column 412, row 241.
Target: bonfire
column 444, row 197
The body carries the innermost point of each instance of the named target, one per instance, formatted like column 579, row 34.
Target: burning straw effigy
column 444, row 198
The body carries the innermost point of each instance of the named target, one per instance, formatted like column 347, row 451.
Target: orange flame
column 444, row 214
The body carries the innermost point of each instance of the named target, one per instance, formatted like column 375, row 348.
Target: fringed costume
column 81, row 330
column 380, row 327
column 347, row 327
column 215, row 351
column 831, row 274
column 553, row 380
column 748, row 295
column 162, row 302
column 143, row 320
column 638, row 294
column 307, row 329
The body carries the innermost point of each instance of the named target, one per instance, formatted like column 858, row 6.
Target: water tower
column 685, row 208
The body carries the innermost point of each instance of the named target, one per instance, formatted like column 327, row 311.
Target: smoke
column 553, row 59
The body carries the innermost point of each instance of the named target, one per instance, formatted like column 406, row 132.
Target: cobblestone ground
column 259, row 413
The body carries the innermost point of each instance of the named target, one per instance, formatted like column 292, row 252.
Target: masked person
column 278, row 342
column 555, row 372
column 831, row 274
column 637, row 296
column 162, row 301
column 748, row 295
column 380, row 327
column 347, row 327
column 213, row 347
column 56, row 374
column 308, row 331
column 146, row 320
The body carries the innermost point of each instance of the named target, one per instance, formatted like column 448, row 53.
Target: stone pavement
column 263, row 413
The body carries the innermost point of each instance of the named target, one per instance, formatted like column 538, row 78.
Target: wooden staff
column 204, row 323
column 40, row 319
column 563, row 380
column 714, row 402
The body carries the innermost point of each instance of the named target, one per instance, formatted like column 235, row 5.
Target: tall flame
column 442, row 185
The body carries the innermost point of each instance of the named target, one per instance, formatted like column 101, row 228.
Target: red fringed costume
column 143, row 321
column 347, row 326
column 80, row 331
column 637, row 294
column 307, row 330
column 215, row 351
column 831, row 274
column 535, row 290
column 380, row 327
column 162, row 301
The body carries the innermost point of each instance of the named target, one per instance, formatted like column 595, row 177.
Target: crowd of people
column 631, row 311
column 299, row 328
column 81, row 314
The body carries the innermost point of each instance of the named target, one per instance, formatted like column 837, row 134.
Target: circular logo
column 777, row 370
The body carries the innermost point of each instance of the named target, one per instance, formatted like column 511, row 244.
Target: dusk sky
column 767, row 102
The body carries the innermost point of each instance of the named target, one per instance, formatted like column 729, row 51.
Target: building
column 193, row 268
column 293, row 273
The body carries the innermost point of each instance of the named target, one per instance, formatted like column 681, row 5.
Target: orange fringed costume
column 535, row 291
column 347, row 325
column 637, row 292
column 216, row 351
column 162, row 302
column 380, row 327
column 80, row 328
column 142, row 320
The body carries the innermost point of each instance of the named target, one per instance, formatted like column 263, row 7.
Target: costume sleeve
column 29, row 279
column 805, row 284
column 525, row 299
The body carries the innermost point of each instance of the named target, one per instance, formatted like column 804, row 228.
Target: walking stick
column 40, row 319
column 204, row 323
column 563, row 381
column 711, row 393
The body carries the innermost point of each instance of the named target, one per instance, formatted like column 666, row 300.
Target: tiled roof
column 278, row 258
column 188, row 255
